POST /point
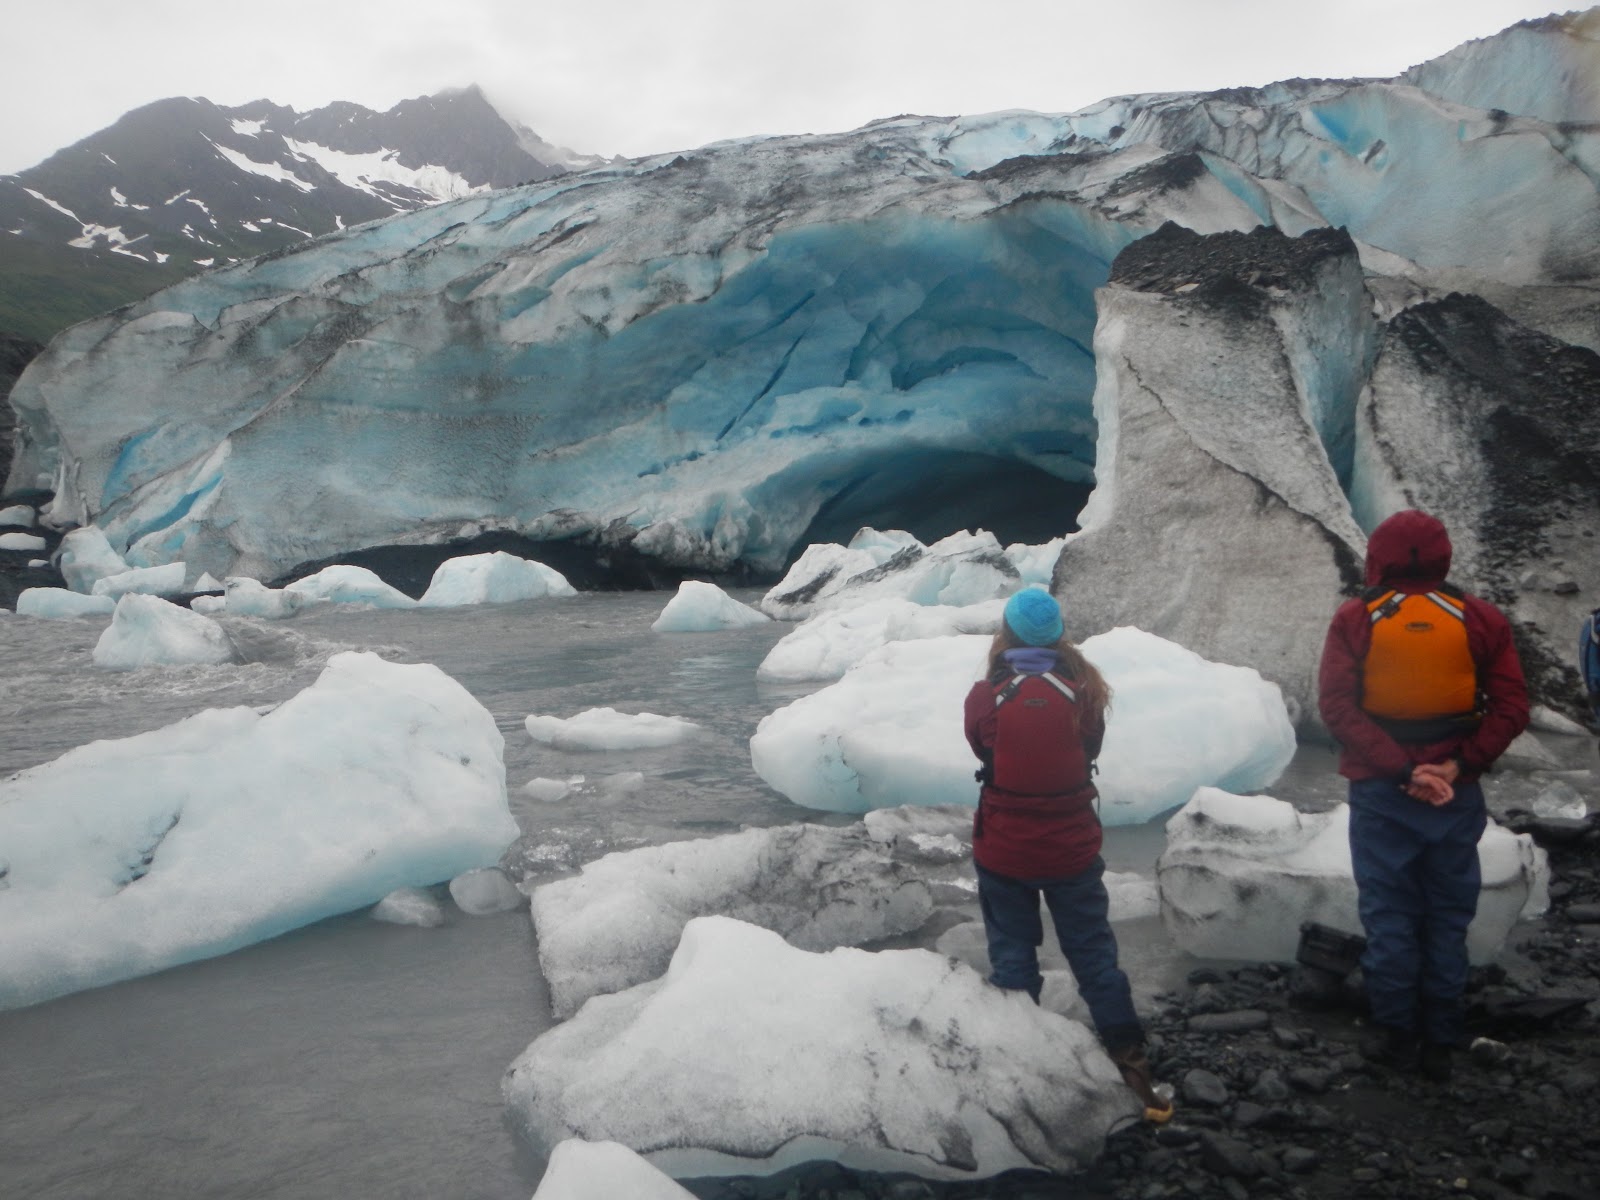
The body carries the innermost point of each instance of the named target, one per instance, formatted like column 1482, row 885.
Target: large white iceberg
column 124, row 857
column 165, row 580
column 608, row 729
column 147, row 631
column 32, row 543
column 749, row 1055
column 617, row 923
column 494, row 578
column 345, row 584
column 825, row 646
column 1241, row 873
column 705, row 608
column 890, row 731
column 62, row 602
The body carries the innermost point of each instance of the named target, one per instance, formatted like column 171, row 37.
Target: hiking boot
column 1397, row 1049
column 1436, row 1064
column 1136, row 1073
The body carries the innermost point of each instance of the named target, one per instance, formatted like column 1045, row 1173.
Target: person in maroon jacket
column 1421, row 685
column 1036, row 722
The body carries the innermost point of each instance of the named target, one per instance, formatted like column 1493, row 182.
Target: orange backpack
column 1419, row 668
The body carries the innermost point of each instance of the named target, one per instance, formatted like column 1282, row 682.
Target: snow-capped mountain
column 184, row 184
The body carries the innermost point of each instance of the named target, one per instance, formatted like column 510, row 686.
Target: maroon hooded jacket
column 1410, row 552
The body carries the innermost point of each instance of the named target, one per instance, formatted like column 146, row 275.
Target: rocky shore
column 1275, row 1099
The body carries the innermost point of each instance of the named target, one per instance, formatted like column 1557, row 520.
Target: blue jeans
column 1417, row 877
column 1079, row 907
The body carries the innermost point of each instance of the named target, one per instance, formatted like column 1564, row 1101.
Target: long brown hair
column 1094, row 693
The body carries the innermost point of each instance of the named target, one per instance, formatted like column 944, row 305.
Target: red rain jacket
column 1410, row 552
column 1033, row 837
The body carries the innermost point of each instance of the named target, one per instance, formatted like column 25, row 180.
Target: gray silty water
column 354, row 1058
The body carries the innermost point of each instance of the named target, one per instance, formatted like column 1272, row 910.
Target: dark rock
column 1176, row 1135
column 1269, row 1087
column 1298, row 1160
column 1287, row 1038
column 1203, row 1089
column 1512, row 1169
column 1228, row 1156
column 1247, row 1114
column 1310, row 1079
column 1582, row 914
column 1208, row 998
column 1241, row 1020
column 1203, row 975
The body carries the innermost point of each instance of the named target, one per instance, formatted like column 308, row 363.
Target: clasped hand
column 1433, row 783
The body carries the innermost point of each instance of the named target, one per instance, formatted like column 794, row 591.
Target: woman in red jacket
column 1036, row 722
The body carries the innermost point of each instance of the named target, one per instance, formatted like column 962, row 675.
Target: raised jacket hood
column 1409, row 547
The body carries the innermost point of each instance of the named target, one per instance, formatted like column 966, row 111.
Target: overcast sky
column 641, row 76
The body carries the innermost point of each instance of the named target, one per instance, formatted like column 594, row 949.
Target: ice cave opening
column 931, row 494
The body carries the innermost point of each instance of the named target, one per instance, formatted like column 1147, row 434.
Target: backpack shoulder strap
column 1453, row 605
column 1009, row 689
column 1014, row 684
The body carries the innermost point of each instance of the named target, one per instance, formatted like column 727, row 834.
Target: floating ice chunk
column 581, row 1170
column 1527, row 753
column 1241, row 873
column 616, row 924
column 166, row 580
column 546, row 790
column 899, row 1060
column 608, row 729
column 18, row 514
column 827, row 645
column 231, row 826
column 59, row 602
column 209, row 605
column 29, row 542
column 1561, row 800
column 964, row 568
column 147, row 631
column 494, row 578
column 1036, row 564
column 890, row 732
column 484, row 890
column 206, row 583
column 1133, row 897
column 251, row 598
column 345, row 584
column 85, row 556
column 623, row 783
column 705, row 608
column 409, row 906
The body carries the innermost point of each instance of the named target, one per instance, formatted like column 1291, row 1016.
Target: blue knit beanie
column 1035, row 617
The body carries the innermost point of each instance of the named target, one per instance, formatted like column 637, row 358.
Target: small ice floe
column 251, row 598
column 1240, row 874
column 1562, row 801
column 616, row 923
column 209, row 605
column 608, row 729
column 890, row 731
column 1527, row 753
column 829, row 644
column 30, row 543
column 54, row 603
column 165, row 580
column 147, row 631
column 494, row 578
column 130, row 855
column 19, row 514
column 1548, row 720
column 345, row 584
column 85, row 555
column 581, row 1170
column 485, row 890
column 409, row 906
column 549, row 790
column 900, row 1060
column 623, row 783
column 705, row 608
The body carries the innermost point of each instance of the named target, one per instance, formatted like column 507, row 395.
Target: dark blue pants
column 1417, row 876
column 1079, row 908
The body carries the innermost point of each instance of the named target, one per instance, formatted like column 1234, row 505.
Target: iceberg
column 247, row 597
column 22, row 543
column 85, row 555
column 617, row 923
column 899, row 1060
column 128, row 856
column 705, row 608
column 409, row 906
column 494, row 578
column 889, row 732
column 147, row 631
column 483, row 891
column 581, row 1170
column 19, row 514
column 608, row 729
column 1241, row 873
column 962, row 569
column 62, row 602
column 825, row 646
column 165, row 580
column 343, row 584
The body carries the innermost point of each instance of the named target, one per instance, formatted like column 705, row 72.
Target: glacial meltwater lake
column 354, row 1058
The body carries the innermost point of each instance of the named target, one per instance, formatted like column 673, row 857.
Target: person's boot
column 1397, row 1049
column 1136, row 1073
column 1436, row 1064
